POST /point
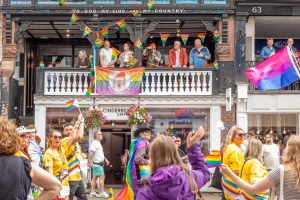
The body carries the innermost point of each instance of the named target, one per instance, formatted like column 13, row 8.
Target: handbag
column 273, row 197
column 216, row 181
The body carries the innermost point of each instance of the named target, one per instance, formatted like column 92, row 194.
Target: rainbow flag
column 138, row 44
column 134, row 13
column 62, row 3
column 164, row 38
column 216, row 35
column 86, row 31
column 97, row 35
column 70, row 105
column 121, row 24
column 147, row 36
column 213, row 159
column 104, row 32
column 118, row 82
column 150, row 4
column 216, row 65
column 201, row 36
column 132, row 61
column 221, row 125
column 74, row 19
column 42, row 65
column 98, row 43
column 114, row 54
column 184, row 38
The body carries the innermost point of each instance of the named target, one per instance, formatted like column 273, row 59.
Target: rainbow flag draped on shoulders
column 129, row 191
column 118, row 81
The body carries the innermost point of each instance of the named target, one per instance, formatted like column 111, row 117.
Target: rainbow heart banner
column 114, row 53
column 164, row 38
column 150, row 4
column 118, row 81
column 184, row 38
column 104, row 32
column 86, row 31
column 74, row 19
column 62, row 3
column 99, row 43
column 132, row 61
column 138, row 44
column 213, row 159
column 134, row 13
column 217, row 35
column 121, row 24
column 201, row 36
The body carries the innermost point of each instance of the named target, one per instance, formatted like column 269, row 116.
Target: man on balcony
column 290, row 44
column 199, row 55
column 178, row 56
column 106, row 55
column 153, row 56
column 268, row 50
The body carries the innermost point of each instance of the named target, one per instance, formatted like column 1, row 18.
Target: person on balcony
column 82, row 61
column 199, row 55
column 125, row 55
column 268, row 50
column 106, row 55
column 290, row 42
column 178, row 56
column 153, row 56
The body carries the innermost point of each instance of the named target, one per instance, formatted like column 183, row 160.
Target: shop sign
column 105, row 2
column 220, row 2
column 186, row 2
column 161, row 2
column 115, row 113
column 20, row 2
column 131, row 2
column 181, row 122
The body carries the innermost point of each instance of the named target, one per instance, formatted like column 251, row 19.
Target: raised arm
column 77, row 132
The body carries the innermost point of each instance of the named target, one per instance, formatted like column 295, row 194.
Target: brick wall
column 229, row 118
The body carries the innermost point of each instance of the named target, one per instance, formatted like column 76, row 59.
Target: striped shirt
column 289, row 184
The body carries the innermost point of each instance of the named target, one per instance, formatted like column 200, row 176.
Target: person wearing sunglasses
column 233, row 157
column 56, row 163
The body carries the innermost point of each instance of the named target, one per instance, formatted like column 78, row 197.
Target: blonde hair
column 60, row 146
column 232, row 131
column 163, row 152
column 292, row 158
column 83, row 53
column 254, row 150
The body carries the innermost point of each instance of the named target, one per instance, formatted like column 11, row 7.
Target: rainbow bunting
column 70, row 105
column 150, row 4
column 221, row 125
column 147, row 36
column 42, row 65
column 134, row 13
column 62, row 3
column 132, row 61
column 213, row 159
column 121, row 24
column 201, row 36
column 74, row 18
column 97, row 35
column 114, row 53
column 164, row 38
column 217, row 35
column 216, row 65
column 184, row 38
column 98, row 43
column 138, row 44
column 104, row 32
column 86, row 31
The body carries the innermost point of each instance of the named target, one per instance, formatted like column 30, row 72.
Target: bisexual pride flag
column 278, row 71
column 118, row 82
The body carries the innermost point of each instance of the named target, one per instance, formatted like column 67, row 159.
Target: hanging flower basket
column 94, row 119
column 138, row 116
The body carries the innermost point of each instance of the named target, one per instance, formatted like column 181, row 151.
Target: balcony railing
column 159, row 81
column 292, row 87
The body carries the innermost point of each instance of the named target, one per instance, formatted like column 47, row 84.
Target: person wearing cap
column 25, row 142
column 178, row 56
column 125, row 55
column 199, row 55
column 106, row 55
column 153, row 56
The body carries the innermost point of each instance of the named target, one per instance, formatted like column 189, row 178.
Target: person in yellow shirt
column 71, row 147
column 56, row 163
column 25, row 142
column 253, row 170
column 233, row 157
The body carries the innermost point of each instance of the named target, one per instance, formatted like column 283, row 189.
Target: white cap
column 22, row 130
column 30, row 130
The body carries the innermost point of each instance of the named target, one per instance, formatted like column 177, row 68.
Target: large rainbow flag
column 118, row 81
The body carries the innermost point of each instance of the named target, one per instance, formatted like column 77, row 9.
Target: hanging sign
column 20, row 2
column 115, row 113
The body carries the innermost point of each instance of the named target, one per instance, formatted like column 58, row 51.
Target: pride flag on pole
column 278, row 71
column 118, row 82
column 70, row 105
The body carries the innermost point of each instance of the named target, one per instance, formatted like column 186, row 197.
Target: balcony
column 157, row 81
column 293, row 88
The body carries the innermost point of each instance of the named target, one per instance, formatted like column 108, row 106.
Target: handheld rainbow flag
column 104, row 32
column 217, row 35
column 213, row 159
column 132, row 61
column 86, row 31
column 201, row 36
column 114, row 53
column 62, row 3
column 184, row 38
column 70, row 105
column 134, row 13
column 216, row 65
column 121, row 24
column 98, row 43
column 221, row 125
column 42, row 65
column 74, row 19
column 138, row 44
column 150, row 4
column 164, row 38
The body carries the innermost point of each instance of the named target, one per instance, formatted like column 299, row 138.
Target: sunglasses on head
column 55, row 137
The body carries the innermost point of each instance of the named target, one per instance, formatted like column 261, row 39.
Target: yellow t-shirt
column 73, row 163
column 253, row 171
column 21, row 154
column 52, row 158
column 233, row 157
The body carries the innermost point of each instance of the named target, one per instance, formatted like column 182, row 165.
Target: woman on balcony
column 82, row 61
column 125, row 55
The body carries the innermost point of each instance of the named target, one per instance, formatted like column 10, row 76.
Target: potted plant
column 137, row 116
column 94, row 119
